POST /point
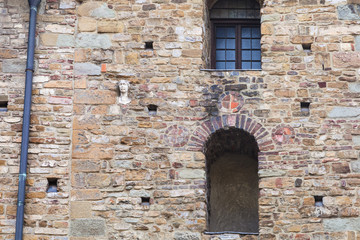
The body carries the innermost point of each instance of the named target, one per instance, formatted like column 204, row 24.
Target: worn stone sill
column 230, row 232
column 230, row 70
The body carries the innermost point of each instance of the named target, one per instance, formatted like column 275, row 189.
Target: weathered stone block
column 8, row 53
column 344, row 112
column 94, row 97
column 87, row 40
column 186, row 236
column 110, row 26
column 341, row 224
column 87, row 227
column 87, row 24
column 271, row 173
column 357, row 43
column 346, row 60
column 86, row 69
column 349, row 12
column 85, row 194
column 132, row 58
column 80, row 210
column 94, row 151
column 355, row 166
column 191, row 173
column 14, row 66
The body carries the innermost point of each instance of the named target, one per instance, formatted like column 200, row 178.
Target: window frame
column 238, row 23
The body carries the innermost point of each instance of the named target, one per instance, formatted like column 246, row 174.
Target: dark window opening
column 52, row 185
column 3, row 106
column 149, row 45
column 305, row 107
column 232, row 182
column 152, row 109
column 319, row 201
column 306, row 47
column 145, row 201
column 236, row 35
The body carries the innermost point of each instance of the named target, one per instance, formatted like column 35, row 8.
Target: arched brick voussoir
column 202, row 132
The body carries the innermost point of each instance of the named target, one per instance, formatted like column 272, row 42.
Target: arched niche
column 232, row 181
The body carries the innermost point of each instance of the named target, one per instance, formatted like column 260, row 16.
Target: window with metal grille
column 236, row 35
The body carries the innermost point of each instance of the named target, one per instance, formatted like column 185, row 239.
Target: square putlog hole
column 149, row 45
column 52, row 185
column 319, row 201
column 145, row 201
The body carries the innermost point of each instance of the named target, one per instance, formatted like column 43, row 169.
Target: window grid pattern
column 226, row 47
column 237, row 47
column 250, row 48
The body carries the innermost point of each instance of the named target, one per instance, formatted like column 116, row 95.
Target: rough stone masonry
column 302, row 108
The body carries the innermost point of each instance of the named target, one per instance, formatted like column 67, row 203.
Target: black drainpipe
column 26, row 120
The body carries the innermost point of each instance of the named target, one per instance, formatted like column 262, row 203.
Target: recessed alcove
column 232, row 182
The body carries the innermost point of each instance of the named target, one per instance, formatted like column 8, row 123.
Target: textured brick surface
column 109, row 157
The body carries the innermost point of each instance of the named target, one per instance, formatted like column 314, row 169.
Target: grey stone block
column 349, row 12
column 341, row 224
column 344, row 112
column 65, row 40
column 103, row 12
column 186, row 236
column 356, row 140
column 87, row 227
column 357, row 43
column 354, row 87
column 88, row 40
column 86, row 69
column 271, row 173
column 355, row 166
column 14, row 66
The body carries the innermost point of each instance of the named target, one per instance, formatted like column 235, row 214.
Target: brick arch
column 203, row 132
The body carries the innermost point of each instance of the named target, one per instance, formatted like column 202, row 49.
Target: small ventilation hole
column 52, row 185
column 149, row 45
column 319, row 201
column 305, row 107
column 152, row 109
column 306, row 47
column 145, row 201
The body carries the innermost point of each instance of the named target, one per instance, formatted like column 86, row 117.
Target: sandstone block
column 132, row 58
column 86, row 69
column 192, row 53
column 85, row 165
column 267, row 29
column 87, row 24
column 341, row 167
column 98, row 180
column 347, row 60
column 87, row 8
column 8, row 53
column 94, row 97
column 87, row 227
column 65, row 40
column 110, row 26
column 85, row 194
column 94, row 151
column 285, row 93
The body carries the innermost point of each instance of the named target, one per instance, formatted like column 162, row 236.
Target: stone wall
column 111, row 159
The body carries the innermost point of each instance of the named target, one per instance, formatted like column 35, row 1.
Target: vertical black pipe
column 26, row 119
